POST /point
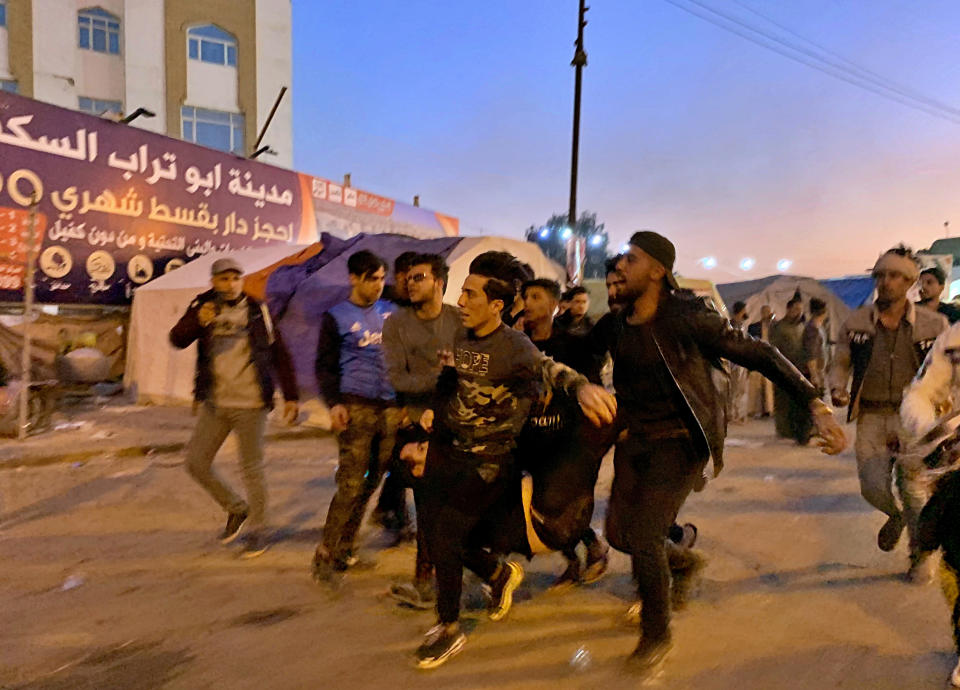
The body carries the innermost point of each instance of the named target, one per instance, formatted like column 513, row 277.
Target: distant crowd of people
column 493, row 412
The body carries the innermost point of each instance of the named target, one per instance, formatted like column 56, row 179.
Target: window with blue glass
column 96, row 106
column 213, row 128
column 211, row 44
column 99, row 31
column 3, row 13
column 8, row 85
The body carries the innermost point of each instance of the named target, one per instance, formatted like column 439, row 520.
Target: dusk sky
column 726, row 147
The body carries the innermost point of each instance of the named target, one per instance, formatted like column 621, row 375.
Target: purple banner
column 119, row 206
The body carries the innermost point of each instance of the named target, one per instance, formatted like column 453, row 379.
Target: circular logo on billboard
column 172, row 264
column 56, row 261
column 100, row 265
column 140, row 269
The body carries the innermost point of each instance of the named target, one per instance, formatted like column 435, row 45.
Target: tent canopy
column 300, row 284
column 777, row 291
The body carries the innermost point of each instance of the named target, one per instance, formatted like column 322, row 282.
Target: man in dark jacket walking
column 237, row 348
column 674, row 417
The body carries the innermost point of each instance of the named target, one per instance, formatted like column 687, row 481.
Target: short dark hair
column 937, row 273
column 577, row 290
column 528, row 272
column 610, row 265
column 364, row 262
column 817, row 306
column 437, row 265
column 796, row 299
column 404, row 261
column 552, row 287
column 504, row 274
column 738, row 307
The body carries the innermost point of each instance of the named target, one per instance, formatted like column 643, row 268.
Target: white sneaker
column 955, row 676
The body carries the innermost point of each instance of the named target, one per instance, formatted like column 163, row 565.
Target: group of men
column 499, row 431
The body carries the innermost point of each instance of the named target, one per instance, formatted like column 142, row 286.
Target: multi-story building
column 209, row 70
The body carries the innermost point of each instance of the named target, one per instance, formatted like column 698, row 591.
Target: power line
column 854, row 68
column 775, row 44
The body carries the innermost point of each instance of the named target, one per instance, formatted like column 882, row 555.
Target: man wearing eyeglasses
column 413, row 339
column 883, row 344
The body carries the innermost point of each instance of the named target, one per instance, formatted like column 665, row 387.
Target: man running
column 674, row 418
column 484, row 399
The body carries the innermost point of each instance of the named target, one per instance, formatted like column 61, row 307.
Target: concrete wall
column 144, row 73
column 55, row 53
column 274, row 70
column 4, row 54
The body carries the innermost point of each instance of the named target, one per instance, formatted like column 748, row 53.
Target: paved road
column 111, row 578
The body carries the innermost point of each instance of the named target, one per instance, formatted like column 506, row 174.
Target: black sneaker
column 650, row 654
column 414, row 595
column 889, row 534
column 598, row 560
column 685, row 580
column 568, row 578
column 232, row 529
column 255, row 545
column 323, row 568
column 439, row 646
column 501, row 590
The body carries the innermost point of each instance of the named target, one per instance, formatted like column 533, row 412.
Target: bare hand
column 339, row 418
column 291, row 410
column 597, row 404
column 416, row 455
column 839, row 397
column 446, row 358
column 426, row 420
column 207, row 313
column 833, row 440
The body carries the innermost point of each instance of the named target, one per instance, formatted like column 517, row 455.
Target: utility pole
column 23, row 416
column 579, row 62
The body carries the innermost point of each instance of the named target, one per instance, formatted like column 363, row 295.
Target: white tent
column 160, row 374
column 156, row 371
column 471, row 247
column 778, row 292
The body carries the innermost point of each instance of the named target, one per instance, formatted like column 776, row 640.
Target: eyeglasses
column 418, row 277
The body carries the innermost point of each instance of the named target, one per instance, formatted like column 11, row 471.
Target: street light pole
column 579, row 62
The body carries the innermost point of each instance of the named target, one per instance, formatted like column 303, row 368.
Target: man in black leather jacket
column 667, row 348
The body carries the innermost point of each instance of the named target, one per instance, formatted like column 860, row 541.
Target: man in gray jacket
column 883, row 344
column 413, row 339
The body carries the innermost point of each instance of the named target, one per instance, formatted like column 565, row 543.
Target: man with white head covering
column 884, row 344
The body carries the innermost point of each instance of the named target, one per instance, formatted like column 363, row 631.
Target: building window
column 211, row 44
column 3, row 13
column 213, row 128
column 8, row 85
column 94, row 106
column 99, row 31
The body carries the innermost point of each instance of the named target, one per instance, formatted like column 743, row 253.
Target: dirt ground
column 111, row 578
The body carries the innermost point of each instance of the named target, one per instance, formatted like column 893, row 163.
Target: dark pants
column 791, row 419
column 651, row 481
column 366, row 446
column 393, row 495
column 458, row 509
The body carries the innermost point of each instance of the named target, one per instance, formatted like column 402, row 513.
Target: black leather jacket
column 693, row 339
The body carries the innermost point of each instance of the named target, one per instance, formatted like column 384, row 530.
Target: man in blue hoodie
column 352, row 376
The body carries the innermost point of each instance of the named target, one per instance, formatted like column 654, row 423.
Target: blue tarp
column 854, row 291
column 316, row 290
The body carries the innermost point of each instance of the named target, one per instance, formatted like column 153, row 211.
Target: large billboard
column 118, row 205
